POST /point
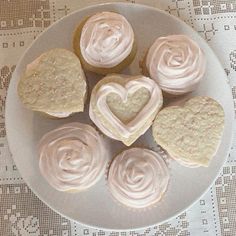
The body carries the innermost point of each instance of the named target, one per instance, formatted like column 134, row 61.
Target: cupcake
column 176, row 63
column 54, row 84
column 105, row 43
column 190, row 133
column 124, row 107
column 138, row 178
column 72, row 157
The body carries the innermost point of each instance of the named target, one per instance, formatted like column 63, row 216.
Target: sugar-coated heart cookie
column 54, row 84
column 124, row 107
column 191, row 134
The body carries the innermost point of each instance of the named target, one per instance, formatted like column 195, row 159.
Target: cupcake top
column 72, row 157
column 138, row 177
column 176, row 63
column 106, row 40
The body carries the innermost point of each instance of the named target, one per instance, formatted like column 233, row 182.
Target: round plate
column 96, row 207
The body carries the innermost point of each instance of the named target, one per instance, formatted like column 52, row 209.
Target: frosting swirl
column 72, row 157
column 176, row 63
column 106, row 40
column 138, row 177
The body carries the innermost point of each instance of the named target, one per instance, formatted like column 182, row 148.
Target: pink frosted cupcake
column 176, row 63
column 105, row 43
column 72, row 157
column 138, row 178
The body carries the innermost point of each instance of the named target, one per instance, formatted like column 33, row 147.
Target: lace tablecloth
column 21, row 212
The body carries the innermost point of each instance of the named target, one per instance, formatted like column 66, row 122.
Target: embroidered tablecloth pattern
column 21, row 212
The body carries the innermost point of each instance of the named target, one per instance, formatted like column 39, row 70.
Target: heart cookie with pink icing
column 124, row 107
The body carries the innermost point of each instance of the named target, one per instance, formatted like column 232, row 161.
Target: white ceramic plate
column 96, row 207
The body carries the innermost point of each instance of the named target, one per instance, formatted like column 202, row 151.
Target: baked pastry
column 105, row 43
column 54, row 84
column 124, row 107
column 176, row 63
column 72, row 157
column 191, row 133
column 138, row 178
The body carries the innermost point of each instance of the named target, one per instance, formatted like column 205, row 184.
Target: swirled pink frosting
column 72, row 157
column 106, row 40
column 138, row 177
column 176, row 63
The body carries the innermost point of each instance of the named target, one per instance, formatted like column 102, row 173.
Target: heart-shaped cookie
column 54, row 84
column 124, row 107
column 191, row 134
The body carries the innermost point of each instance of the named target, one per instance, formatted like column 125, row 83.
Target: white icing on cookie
column 126, row 130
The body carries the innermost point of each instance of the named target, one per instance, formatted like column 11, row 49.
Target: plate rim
column 94, row 6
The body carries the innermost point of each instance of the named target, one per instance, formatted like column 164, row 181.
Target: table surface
column 21, row 212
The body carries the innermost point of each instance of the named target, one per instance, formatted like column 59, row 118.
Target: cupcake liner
column 163, row 153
